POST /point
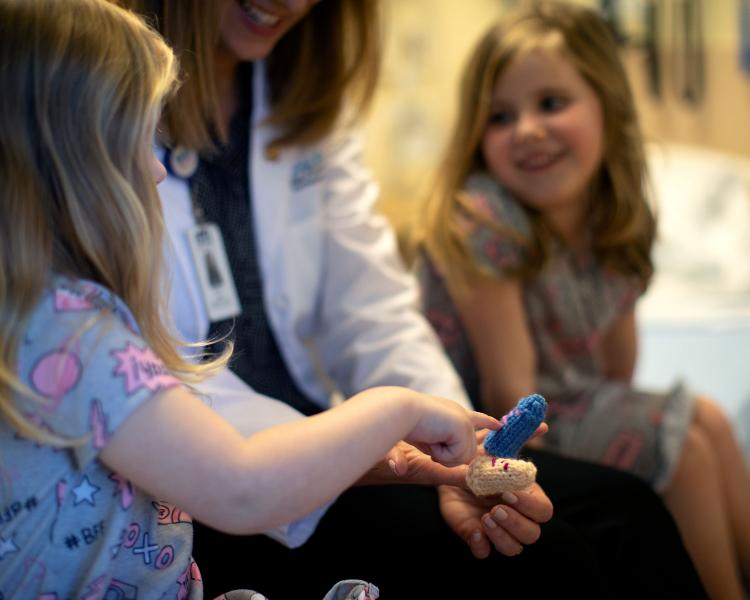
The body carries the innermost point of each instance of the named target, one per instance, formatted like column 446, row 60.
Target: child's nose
column 529, row 126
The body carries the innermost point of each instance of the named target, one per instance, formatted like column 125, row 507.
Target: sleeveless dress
column 570, row 306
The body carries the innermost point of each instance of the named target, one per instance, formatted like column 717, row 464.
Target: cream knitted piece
column 492, row 475
column 499, row 470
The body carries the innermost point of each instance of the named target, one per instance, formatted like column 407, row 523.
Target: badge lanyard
column 206, row 245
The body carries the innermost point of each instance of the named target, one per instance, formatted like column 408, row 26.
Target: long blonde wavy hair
column 82, row 84
column 328, row 59
column 622, row 223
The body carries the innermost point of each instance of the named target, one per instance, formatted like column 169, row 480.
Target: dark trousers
column 611, row 537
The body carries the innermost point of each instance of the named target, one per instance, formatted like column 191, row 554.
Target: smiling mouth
column 258, row 16
column 538, row 162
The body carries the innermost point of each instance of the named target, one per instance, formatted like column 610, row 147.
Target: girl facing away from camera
column 537, row 247
column 106, row 453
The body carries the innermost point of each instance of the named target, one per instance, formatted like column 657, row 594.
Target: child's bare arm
column 179, row 450
column 493, row 314
column 620, row 348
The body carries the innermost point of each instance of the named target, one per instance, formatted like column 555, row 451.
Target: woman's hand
column 507, row 523
column 406, row 464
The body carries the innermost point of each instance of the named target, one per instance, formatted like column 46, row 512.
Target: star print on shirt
column 84, row 492
column 7, row 546
column 141, row 368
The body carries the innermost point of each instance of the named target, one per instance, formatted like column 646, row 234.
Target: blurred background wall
column 720, row 119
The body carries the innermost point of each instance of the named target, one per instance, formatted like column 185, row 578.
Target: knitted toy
column 499, row 470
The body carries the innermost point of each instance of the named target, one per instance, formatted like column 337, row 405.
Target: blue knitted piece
column 517, row 427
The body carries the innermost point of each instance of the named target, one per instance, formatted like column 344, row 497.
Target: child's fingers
column 540, row 431
column 483, row 421
column 451, row 455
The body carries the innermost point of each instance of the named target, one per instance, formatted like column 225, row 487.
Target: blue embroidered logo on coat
column 307, row 171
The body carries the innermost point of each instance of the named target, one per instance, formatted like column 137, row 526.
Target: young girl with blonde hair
column 106, row 453
column 537, row 247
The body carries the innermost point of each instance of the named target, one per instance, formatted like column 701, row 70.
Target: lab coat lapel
column 287, row 211
column 268, row 181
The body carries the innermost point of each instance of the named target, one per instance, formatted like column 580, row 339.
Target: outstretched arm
column 179, row 450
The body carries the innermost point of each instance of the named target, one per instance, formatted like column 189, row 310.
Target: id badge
column 212, row 266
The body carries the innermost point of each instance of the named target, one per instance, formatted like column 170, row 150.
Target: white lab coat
column 336, row 293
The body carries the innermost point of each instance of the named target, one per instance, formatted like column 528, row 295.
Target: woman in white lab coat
column 274, row 243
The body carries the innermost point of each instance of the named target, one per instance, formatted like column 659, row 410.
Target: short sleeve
column 496, row 227
column 84, row 356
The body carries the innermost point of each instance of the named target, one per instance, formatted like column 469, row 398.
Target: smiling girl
column 537, row 248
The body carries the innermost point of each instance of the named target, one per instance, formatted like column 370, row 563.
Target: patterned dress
column 570, row 305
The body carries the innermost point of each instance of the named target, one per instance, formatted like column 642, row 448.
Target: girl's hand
column 406, row 464
column 446, row 431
